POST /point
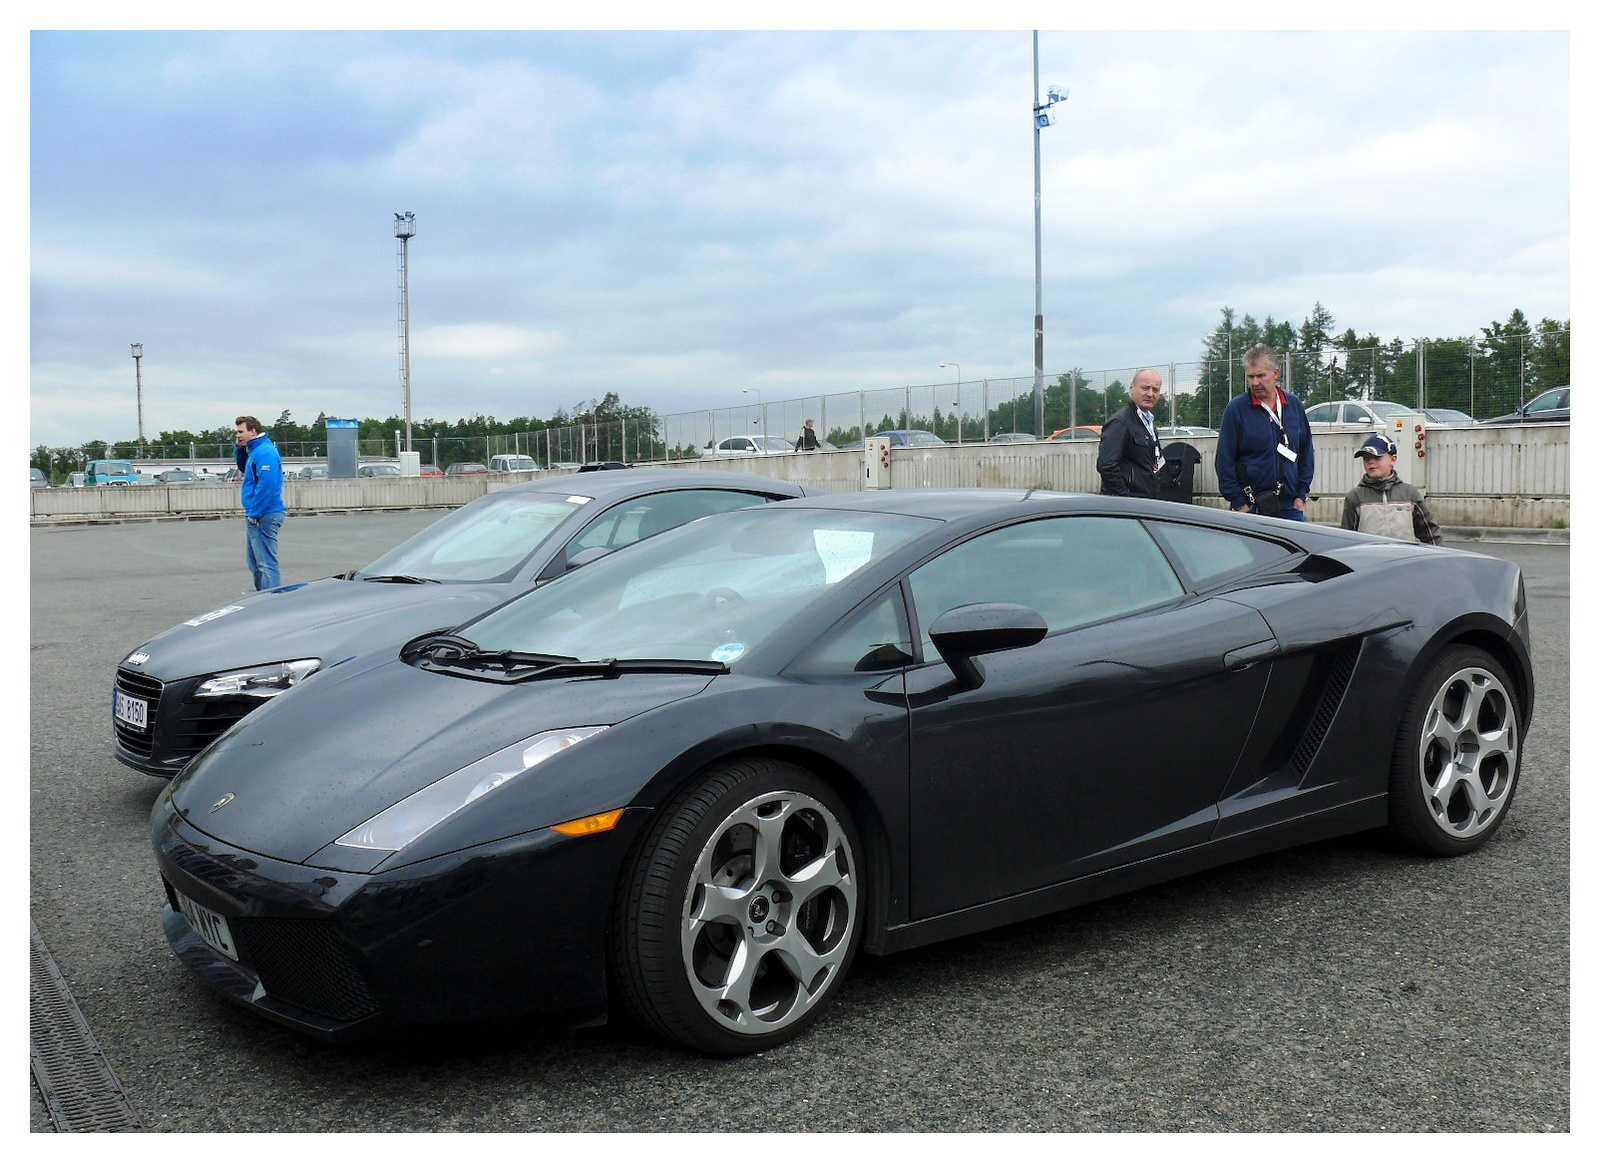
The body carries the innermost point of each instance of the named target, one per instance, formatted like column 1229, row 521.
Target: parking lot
column 1339, row 987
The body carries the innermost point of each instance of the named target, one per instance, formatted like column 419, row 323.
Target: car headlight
column 395, row 827
column 259, row 682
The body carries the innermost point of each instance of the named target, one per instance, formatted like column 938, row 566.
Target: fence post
column 1422, row 371
column 986, row 411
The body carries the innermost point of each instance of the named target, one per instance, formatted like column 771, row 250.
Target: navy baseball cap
column 1377, row 445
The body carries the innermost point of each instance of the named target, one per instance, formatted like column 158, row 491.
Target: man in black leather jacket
column 1130, row 452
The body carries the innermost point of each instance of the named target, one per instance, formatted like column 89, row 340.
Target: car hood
column 330, row 619
column 348, row 743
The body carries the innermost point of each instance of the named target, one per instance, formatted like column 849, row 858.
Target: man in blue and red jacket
column 1264, row 456
column 261, row 492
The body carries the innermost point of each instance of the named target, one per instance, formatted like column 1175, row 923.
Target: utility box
column 411, row 464
column 343, row 448
column 876, row 449
column 1411, row 438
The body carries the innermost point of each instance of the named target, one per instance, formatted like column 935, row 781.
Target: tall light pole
column 957, row 366
column 138, row 387
column 760, row 405
column 405, row 225
column 1041, row 118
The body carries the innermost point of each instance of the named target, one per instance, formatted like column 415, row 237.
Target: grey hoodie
column 1390, row 508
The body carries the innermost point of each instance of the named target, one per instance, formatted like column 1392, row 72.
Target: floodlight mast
column 1041, row 118
column 405, row 225
column 138, row 389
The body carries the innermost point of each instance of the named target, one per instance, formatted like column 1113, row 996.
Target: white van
column 512, row 463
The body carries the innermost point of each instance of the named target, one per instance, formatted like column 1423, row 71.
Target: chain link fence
column 1484, row 379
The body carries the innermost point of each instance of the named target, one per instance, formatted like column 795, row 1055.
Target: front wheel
column 741, row 910
column 1457, row 755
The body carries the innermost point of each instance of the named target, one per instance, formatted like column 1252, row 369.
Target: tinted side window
column 1355, row 414
column 643, row 517
column 1073, row 570
column 1322, row 413
column 876, row 638
column 1212, row 555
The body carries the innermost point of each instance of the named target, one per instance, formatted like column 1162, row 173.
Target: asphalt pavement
column 1338, row 987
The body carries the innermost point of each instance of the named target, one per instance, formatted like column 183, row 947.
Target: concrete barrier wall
column 1502, row 477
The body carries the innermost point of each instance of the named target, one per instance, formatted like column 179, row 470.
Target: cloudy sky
column 677, row 215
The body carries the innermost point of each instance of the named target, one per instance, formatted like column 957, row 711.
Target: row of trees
column 1486, row 374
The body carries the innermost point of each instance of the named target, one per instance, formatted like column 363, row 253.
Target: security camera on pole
column 1041, row 118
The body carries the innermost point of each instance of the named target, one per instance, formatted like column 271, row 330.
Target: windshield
column 773, row 443
column 485, row 541
column 1387, row 410
column 712, row 590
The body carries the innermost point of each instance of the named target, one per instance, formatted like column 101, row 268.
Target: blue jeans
column 1290, row 513
column 261, row 548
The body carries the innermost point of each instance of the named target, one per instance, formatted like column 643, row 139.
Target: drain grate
column 79, row 1088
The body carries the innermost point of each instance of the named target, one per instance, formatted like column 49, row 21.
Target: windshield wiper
column 521, row 665
column 607, row 666
column 407, row 578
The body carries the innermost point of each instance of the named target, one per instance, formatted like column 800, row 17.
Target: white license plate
column 212, row 926
column 134, row 712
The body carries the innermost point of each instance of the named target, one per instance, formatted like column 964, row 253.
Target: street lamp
column 1041, row 118
column 138, row 388
column 405, row 225
column 762, row 406
column 957, row 366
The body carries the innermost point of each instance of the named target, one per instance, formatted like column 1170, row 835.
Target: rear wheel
column 741, row 909
column 1457, row 755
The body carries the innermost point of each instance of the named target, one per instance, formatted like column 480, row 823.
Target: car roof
column 617, row 483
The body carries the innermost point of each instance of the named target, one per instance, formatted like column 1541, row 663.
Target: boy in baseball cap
column 1383, row 503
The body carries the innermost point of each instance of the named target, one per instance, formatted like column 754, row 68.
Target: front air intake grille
column 1340, row 666
column 139, row 686
column 304, row 964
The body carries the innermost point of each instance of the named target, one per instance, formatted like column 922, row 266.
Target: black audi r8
column 696, row 777
column 183, row 688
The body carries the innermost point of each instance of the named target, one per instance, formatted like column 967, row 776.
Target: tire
column 1457, row 755
column 741, row 909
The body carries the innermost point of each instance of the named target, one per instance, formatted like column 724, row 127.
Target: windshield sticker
column 576, row 500
column 728, row 652
column 843, row 551
column 204, row 618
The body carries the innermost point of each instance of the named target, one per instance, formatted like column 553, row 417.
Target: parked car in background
column 1546, row 407
column 1081, row 432
column 512, row 462
column 177, row 476
column 1013, row 438
column 748, row 446
column 378, row 470
column 75, row 480
column 1182, row 432
column 186, row 686
column 465, row 468
column 690, row 782
column 430, row 470
column 1448, row 418
column 1362, row 416
column 111, row 472
column 911, row 437
column 39, row 480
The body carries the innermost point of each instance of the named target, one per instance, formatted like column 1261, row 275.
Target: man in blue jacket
column 1264, row 456
column 261, row 491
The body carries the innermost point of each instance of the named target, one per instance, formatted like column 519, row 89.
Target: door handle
column 1247, row 656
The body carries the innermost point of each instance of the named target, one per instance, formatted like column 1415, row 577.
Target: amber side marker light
column 589, row 825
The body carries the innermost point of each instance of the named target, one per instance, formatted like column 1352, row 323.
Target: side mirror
column 965, row 632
